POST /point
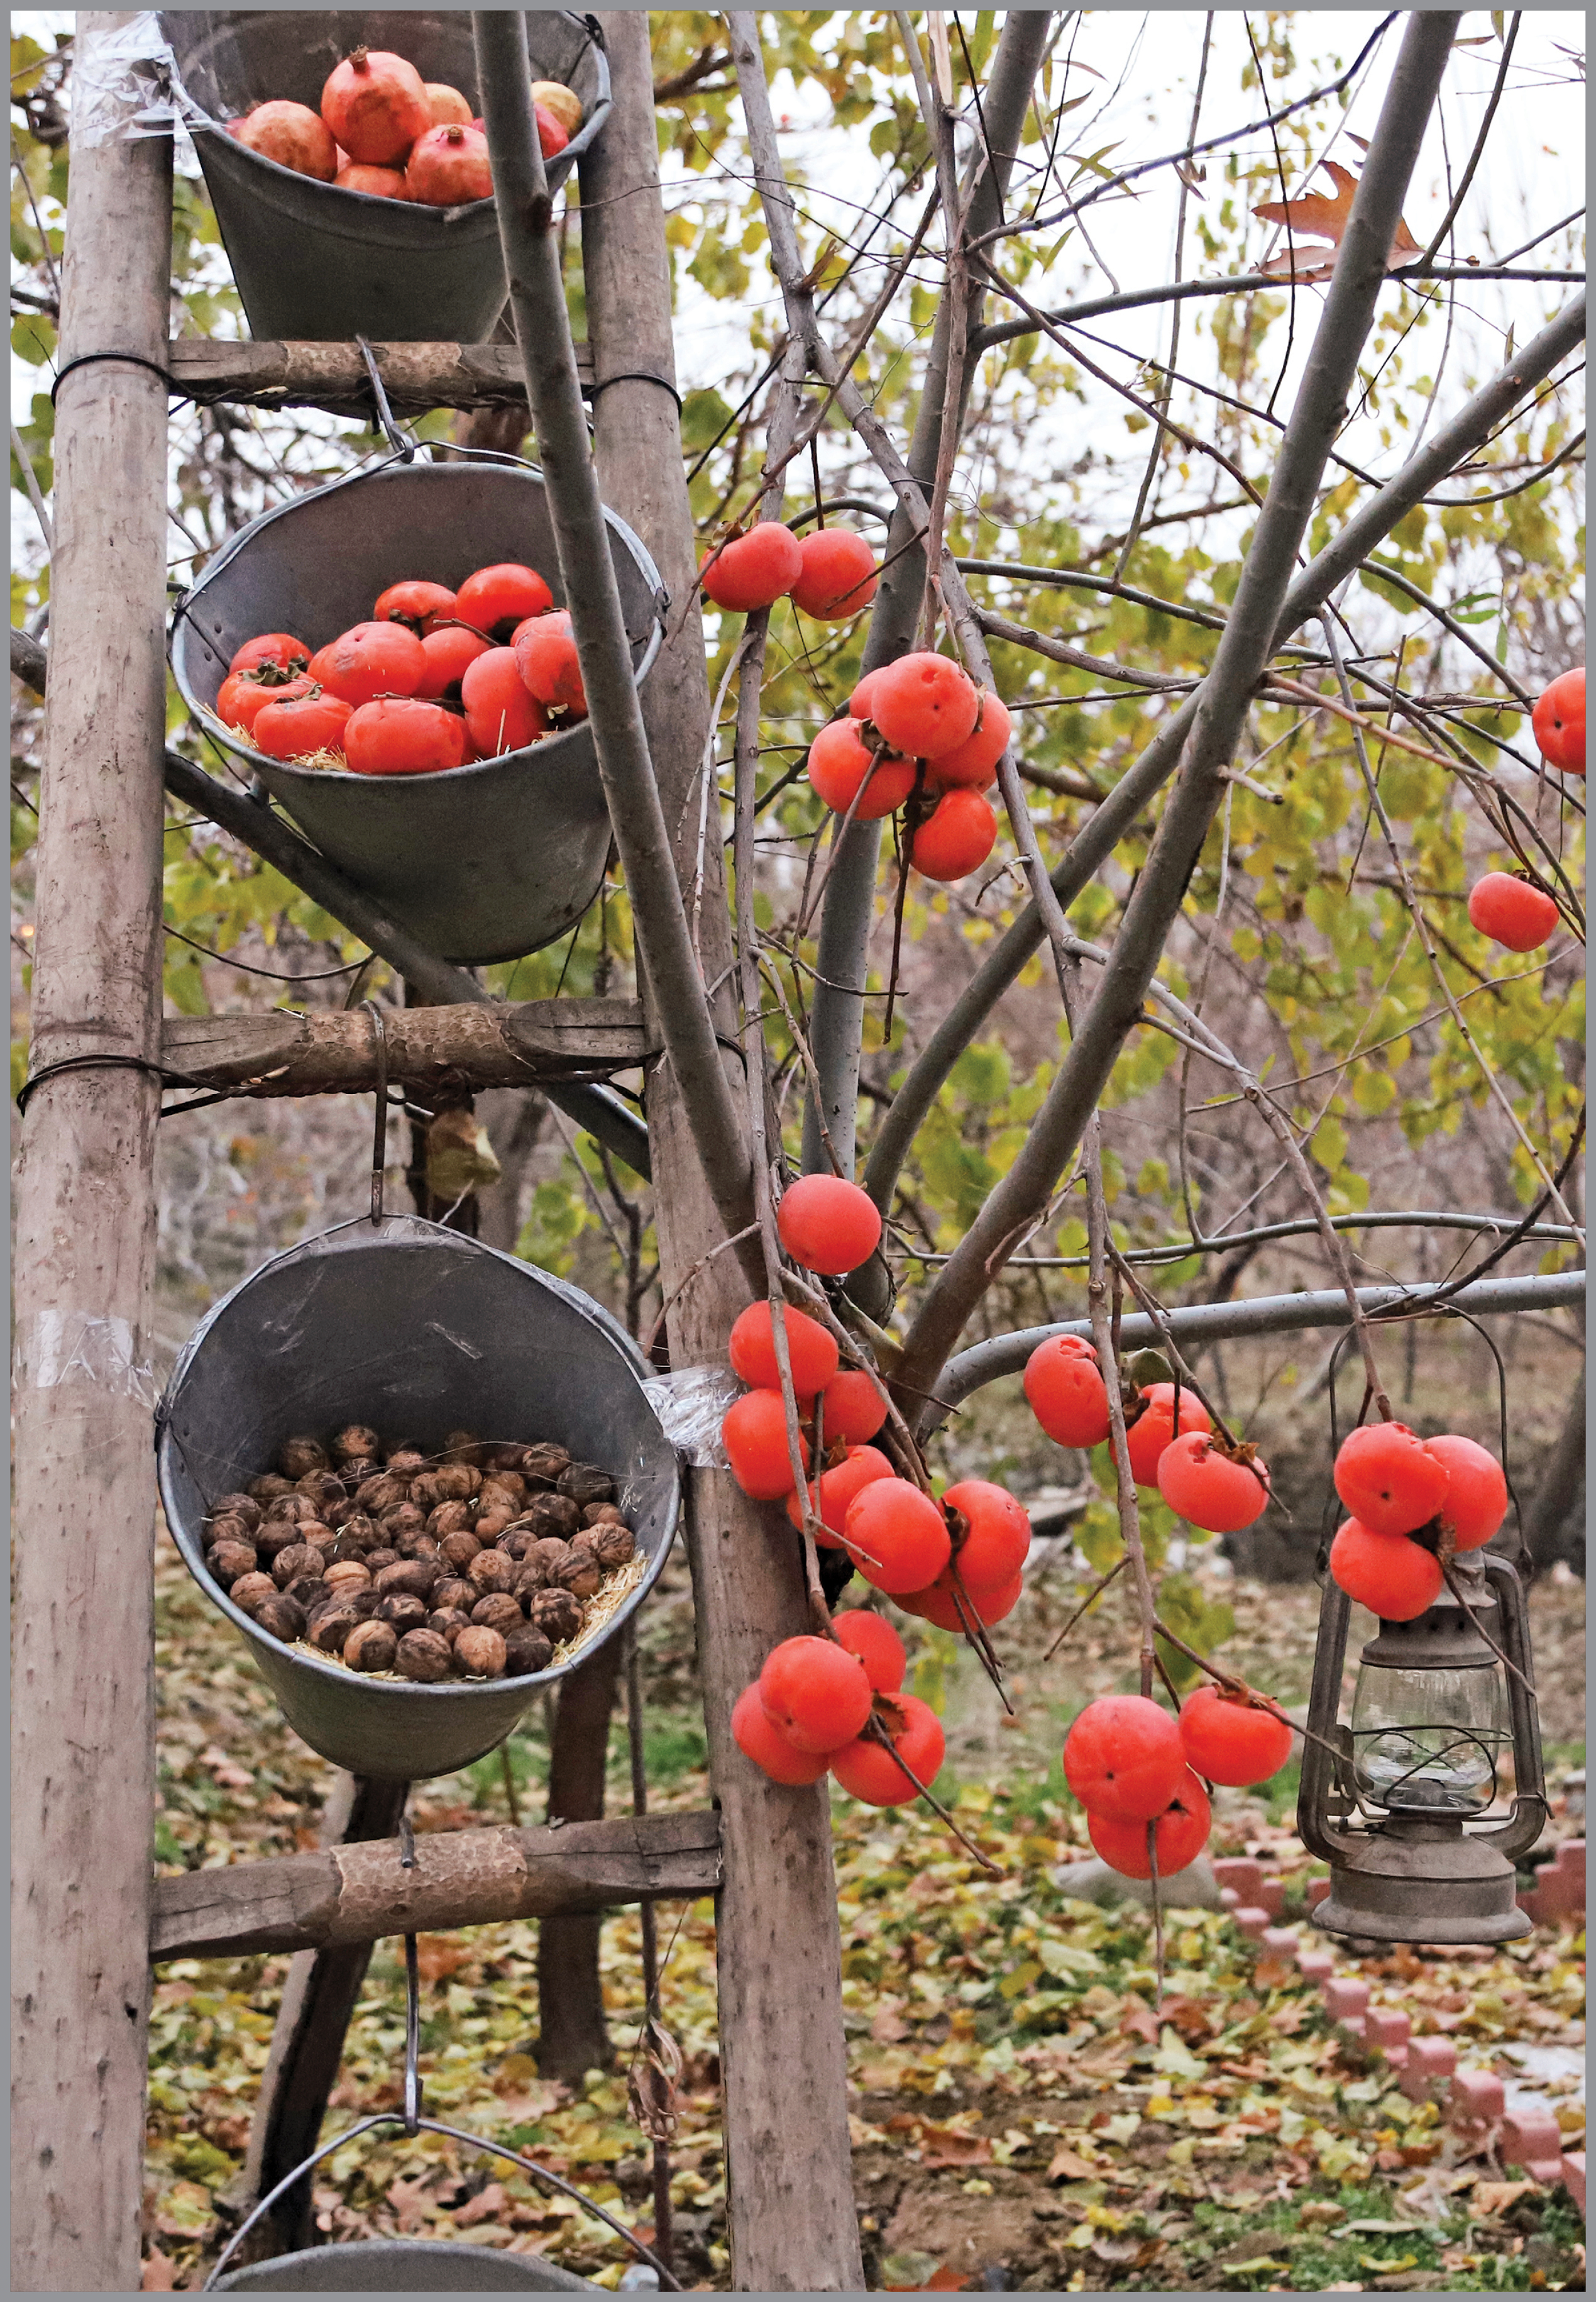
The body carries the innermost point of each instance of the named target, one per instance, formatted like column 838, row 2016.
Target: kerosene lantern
column 1403, row 1802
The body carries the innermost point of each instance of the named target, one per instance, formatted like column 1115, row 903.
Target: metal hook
column 400, row 441
column 380, row 1140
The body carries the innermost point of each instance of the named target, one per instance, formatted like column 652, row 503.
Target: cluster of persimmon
column 386, row 133
column 1140, row 1771
column 831, row 574
column 918, row 734
column 436, row 679
column 1415, row 1503
column 1170, row 1440
column 837, row 1705
column 1512, row 909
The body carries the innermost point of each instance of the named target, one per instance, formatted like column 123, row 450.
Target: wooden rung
column 355, row 1894
column 414, row 376
column 466, row 1048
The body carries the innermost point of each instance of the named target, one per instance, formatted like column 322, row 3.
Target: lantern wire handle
column 380, row 1138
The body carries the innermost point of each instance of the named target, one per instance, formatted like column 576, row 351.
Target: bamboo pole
column 789, row 2188
column 83, row 1746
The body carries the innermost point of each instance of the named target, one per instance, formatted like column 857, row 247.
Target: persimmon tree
column 1267, row 551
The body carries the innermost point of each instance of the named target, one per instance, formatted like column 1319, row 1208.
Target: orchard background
column 1127, row 454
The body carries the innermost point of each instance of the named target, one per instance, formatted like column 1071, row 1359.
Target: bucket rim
column 401, row 461
column 201, row 123
column 418, row 1230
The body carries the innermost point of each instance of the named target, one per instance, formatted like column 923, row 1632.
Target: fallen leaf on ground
column 158, row 2276
column 483, row 2208
column 1069, row 2166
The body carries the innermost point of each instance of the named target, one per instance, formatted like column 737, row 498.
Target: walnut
column 345, row 1576
column 557, row 1614
column 244, row 1507
column 334, row 1514
column 499, row 1611
column 545, row 1558
column 416, row 1575
column 405, row 1461
column 479, row 1652
column 371, row 1646
column 456, row 1481
column 349, row 1547
column 526, row 1652
column 585, row 1483
column 553, row 1514
column 274, row 1535
column 579, row 1574
column 402, row 1609
column 282, row 1616
column 603, row 1515
column 383, row 1493
column 382, row 1555
column 543, row 1464
column 492, row 1571
column 423, row 1655
column 508, row 1484
column 321, row 1489
column 417, row 1546
column 266, row 1489
column 448, row 1518
column 463, row 1447
column 250, row 1592
column 354, row 1474
column 447, row 1621
column 455, row 1590
column 404, row 1519
column 503, row 1455
column 227, row 1527
column 288, row 1510
column 328, row 1625
column 489, row 1524
column 297, row 1558
column 457, row 1550
column 360, row 1529
column 615, row 1546
column 300, row 1455
column 366, row 1604
column 356, row 1442
column 319, row 1537
column 228, row 1561
column 307, row 1591
column 425, row 1492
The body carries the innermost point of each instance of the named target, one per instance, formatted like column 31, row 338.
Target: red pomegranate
column 377, row 183
column 449, row 167
column 376, row 105
column 292, row 134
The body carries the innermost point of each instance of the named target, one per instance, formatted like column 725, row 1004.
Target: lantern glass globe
column 1429, row 1741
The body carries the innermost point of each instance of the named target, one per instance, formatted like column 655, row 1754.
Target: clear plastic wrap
column 125, row 83
column 59, row 1350
column 691, row 1405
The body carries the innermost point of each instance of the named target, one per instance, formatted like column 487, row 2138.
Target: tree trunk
column 1553, row 1524
column 791, row 2205
column 573, row 2037
column 83, row 1740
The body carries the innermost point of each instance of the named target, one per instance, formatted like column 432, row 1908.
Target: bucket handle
column 401, row 442
column 413, row 2122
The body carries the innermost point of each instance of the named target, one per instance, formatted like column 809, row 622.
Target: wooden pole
column 791, row 2203
column 82, row 1748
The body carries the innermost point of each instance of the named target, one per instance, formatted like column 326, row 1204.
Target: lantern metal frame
column 1411, row 1876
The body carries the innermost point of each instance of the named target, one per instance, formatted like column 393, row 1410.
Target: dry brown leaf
column 158, row 2276
column 1069, row 2166
column 944, row 2145
column 482, row 2208
column 437, row 1957
column 1313, row 216
column 1496, row 2197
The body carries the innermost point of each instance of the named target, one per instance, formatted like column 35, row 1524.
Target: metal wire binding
column 402, row 445
column 380, row 1140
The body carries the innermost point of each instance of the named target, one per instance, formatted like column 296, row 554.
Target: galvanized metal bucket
column 318, row 265
column 482, row 862
column 421, row 1331
column 396, row 2265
